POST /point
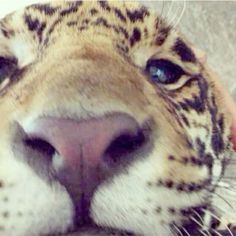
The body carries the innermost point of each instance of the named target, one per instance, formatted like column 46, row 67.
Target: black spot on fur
column 85, row 21
column 182, row 186
column 1, row 184
column 138, row 14
column 102, row 21
column 196, row 161
column 192, row 210
column 172, row 210
column 217, row 142
column 5, row 33
column 35, row 25
column 171, row 157
column 198, row 101
column 73, row 7
column 40, row 31
column 68, row 11
column 8, row 33
column 104, row 5
column 185, row 120
column 82, row 28
column 215, row 223
column 122, row 48
column 119, row 14
column 188, row 224
column 145, row 32
column 135, row 37
column 47, row 9
column 115, row 28
column 185, row 53
column 169, row 183
column 221, row 123
column 194, row 103
column 72, row 23
column 93, row 11
column 184, row 160
column 55, row 23
column 51, row 29
column 118, row 29
column 124, row 32
column 208, row 161
column 162, row 35
column 201, row 148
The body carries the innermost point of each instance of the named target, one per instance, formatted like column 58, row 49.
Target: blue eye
column 163, row 71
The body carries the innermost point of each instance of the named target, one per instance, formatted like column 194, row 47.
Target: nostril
column 40, row 145
column 88, row 141
column 121, row 148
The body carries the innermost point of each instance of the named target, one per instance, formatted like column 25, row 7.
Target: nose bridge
column 97, row 81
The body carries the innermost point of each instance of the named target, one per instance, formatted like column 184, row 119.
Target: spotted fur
column 87, row 59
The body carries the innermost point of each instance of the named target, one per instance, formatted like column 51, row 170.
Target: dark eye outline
column 163, row 71
column 8, row 72
column 7, row 67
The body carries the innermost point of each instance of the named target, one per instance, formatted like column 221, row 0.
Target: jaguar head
column 106, row 130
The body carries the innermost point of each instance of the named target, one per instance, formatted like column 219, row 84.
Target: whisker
column 169, row 10
column 227, row 177
column 222, row 198
column 217, row 233
column 217, row 218
column 178, row 230
column 181, row 14
column 230, row 188
column 223, row 184
column 174, row 16
column 207, row 233
column 161, row 14
column 198, row 215
column 185, row 230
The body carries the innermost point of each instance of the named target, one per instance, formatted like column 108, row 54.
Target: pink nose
column 88, row 150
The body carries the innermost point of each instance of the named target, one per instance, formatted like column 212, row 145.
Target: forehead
column 131, row 28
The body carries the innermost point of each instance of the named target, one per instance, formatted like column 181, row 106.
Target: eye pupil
column 157, row 73
column 163, row 71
